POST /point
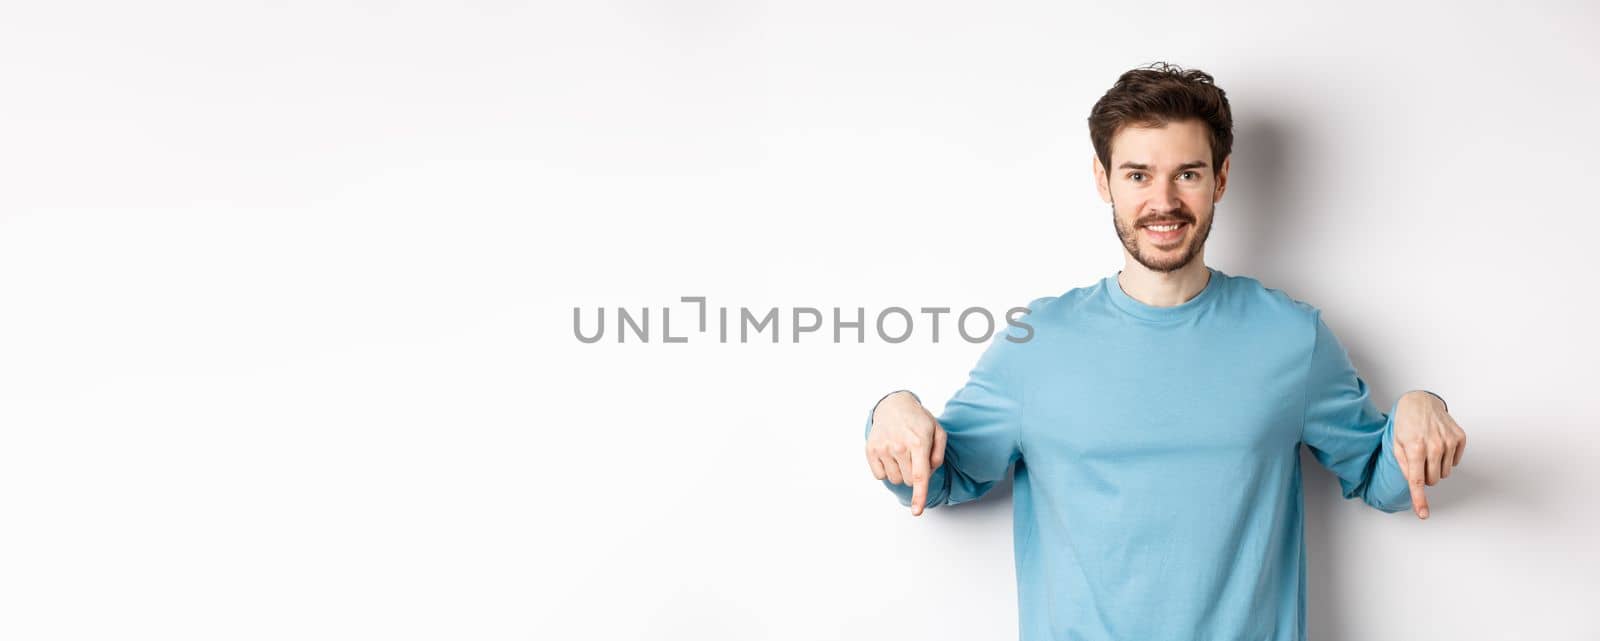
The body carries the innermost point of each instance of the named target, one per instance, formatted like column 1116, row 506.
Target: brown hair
column 1156, row 94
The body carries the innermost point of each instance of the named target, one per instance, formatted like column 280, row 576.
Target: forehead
column 1169, row 144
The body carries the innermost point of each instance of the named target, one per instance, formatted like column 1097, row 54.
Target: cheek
column 1199, row 202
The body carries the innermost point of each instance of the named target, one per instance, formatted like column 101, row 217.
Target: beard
column 1158, row 263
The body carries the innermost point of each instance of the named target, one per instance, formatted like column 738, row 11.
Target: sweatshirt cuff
column 1389, row 491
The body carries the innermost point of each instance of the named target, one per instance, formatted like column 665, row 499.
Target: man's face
column 1163, row 191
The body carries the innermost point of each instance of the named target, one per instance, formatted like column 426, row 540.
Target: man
column 1155, row 417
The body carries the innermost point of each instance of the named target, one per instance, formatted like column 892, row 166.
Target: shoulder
column 1269, row 312
column 1022, row 324
column 1268, row 304
column 1063, row 306
column 1296, row 322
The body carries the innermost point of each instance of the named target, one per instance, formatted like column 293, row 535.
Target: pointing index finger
column 1414, row 463
column 919, row 476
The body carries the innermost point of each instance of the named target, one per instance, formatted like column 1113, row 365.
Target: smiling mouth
column 1165, row 233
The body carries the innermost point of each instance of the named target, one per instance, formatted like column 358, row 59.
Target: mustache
column 1167, row 218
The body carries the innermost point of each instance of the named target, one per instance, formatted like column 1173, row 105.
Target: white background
column 286, row 300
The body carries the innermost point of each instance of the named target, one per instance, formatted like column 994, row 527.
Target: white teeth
column 1163, row 227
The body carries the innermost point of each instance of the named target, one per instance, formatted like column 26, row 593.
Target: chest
column 1162, row 395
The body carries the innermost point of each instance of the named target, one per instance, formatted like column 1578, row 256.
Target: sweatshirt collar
column 1186, row 309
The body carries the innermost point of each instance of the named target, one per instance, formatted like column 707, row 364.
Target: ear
column 1222, row 179
column 1100, row 180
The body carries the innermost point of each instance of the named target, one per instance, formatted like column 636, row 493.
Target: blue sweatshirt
column 1157, row 493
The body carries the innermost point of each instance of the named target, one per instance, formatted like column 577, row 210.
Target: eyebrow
column 1193, row 164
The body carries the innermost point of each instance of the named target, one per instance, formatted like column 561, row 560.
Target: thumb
column 939, row 438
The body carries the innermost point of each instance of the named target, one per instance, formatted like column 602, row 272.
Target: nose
column 1168, row 196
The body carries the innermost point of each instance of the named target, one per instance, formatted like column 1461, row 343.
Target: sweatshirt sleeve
column 982, row 423
column 1346, row 432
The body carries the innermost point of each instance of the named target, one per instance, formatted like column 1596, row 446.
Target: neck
column 1163, row 289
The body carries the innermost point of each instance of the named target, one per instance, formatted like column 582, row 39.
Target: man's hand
column 906, row 445
column 1427, row 443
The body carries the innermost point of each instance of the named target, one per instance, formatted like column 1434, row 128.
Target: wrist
column 1425, row 397
column 894, row 398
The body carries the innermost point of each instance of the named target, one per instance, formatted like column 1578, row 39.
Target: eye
column 1135, row 176
column 1191, row 173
